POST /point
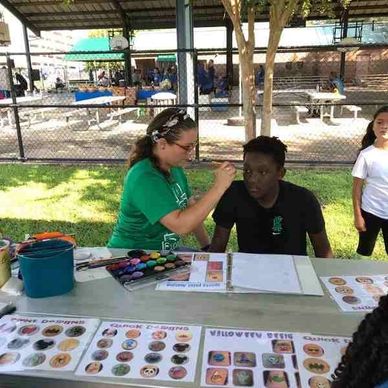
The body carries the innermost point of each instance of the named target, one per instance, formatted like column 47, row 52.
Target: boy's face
column 261, row 174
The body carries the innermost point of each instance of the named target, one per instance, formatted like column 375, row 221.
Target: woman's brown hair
column 169, row 125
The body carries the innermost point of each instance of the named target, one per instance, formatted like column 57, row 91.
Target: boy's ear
column 282, row 172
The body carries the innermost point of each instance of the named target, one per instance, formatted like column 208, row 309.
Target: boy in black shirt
column 271, row 215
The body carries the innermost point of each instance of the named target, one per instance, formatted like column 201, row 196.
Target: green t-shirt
column 147, row 197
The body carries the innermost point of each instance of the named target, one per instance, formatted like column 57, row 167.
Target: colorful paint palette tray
column 142, row 268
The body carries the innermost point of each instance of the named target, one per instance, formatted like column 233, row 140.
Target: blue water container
column 47, row 267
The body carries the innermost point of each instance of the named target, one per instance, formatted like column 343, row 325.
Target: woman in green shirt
column 156, row 205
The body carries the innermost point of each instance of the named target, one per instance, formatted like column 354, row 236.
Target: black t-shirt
column 279, row 230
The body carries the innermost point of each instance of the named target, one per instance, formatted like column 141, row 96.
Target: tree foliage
column 280, row 13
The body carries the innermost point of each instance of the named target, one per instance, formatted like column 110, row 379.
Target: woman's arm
column 359, row 221
column 182, row 221
column 200, row 232
column 202, row 236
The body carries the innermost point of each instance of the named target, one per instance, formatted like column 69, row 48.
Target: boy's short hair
column 269, row 146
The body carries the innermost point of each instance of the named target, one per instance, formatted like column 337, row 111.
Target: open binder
column 251, row 273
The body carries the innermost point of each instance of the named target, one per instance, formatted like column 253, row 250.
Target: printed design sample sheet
column 318, row 356
column 207, row 274
column 142, row 351
column 357, row 293
column 244, row 358
column 49, row 343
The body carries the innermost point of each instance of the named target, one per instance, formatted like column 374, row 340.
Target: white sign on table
column 356, row 293
column 49, row 343
column 240, row 357
column 142, row 351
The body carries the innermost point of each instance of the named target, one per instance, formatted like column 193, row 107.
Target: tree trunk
column 249, row 95
column 266, row 116
column 245, row 50
column 279, row 14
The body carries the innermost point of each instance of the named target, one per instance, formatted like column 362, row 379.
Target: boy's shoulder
column 294, row 192
column 237, row 188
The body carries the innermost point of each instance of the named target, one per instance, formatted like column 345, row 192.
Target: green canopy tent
column 93, row 44
column 101, row 54
column 166, row 58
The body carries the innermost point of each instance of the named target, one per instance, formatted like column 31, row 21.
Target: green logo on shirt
column 277, row 226
column 180, row 196
column 170, row 241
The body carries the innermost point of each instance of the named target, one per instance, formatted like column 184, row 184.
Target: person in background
column 211, row 71
column 157, row 205
column 59, row 84
column 21, row 86
column 365, row 362
column 259, row 79
column 203, row 79
column 173, row 77
column 136, row 77
column 370, row 185
column 336, row 84
column 103, row 79
column 156, row 77
column 271, row 215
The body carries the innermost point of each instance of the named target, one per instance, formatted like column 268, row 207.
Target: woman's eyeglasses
column 187, row 148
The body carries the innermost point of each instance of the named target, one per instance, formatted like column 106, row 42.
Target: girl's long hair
column 370, row 137
column 365, row 363
column 144, row 146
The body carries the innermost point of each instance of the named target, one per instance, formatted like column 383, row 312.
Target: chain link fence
column 82, row 107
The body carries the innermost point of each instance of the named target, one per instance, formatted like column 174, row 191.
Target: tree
column 246, row 46
column 280, row 13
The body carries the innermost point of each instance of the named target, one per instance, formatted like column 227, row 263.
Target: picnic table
column 102, row 100
column 322, row 99
column 9, row 111
column 325, row 99
column 163, row 98
column 108, row 300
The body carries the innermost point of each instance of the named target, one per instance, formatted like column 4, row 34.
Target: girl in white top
column 370, row 184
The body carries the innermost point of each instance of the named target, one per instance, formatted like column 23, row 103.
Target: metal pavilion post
column 28, row 58
column 15, row 109
column 128, row 69
column 185, row 42
column 344, row 34
column 229, row 52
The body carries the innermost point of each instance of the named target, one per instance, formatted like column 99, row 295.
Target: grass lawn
column 84, row 200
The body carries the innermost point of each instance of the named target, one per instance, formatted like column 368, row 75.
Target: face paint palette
column 244, row 358
column 141, row 268
column 357, row 293
column 49, row 343
column 142, row 351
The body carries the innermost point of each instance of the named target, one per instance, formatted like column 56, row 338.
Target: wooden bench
column 120, row 112
column 352, row 108
column 298, row 110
